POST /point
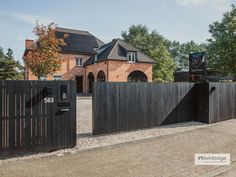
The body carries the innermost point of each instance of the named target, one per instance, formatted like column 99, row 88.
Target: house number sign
column 48, row 100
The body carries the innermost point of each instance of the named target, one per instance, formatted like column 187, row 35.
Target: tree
column 8, row 66
column 222, row 44
column 139, row 37
column 155, row 46
column 180, row 52
column 20, row 70
column 44, row 60
column 165, row 66
column 2, row 56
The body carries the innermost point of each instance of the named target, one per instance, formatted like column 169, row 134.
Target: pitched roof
column 117, row 50
column 78, row 41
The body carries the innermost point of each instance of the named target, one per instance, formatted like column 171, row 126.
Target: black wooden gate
column 37, row 115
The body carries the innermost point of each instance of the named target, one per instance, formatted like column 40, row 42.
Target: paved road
column 171, row 155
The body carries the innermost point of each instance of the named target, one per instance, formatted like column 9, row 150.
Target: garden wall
column 129, row 106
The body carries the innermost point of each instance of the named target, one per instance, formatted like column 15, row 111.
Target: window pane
column 79, row 62
column 131, row 56
column 43, row 78
column 57, row 77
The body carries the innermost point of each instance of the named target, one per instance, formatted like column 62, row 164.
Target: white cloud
column 27, row 18
column 219, row 5
column 31, row 19
column 191, row 2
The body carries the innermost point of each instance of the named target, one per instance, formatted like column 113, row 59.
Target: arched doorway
column 90, row 82
column 101, row 77
column 137, row 76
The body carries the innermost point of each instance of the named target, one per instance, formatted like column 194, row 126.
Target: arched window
column 101, row 77
column 137, row 76
column 90, row 82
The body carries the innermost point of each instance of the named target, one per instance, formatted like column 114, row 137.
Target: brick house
column 86, row 59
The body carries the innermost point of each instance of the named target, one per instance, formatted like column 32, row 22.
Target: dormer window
column 95, row 53
column 131, row 56
column 95, row 57
column 79, row 62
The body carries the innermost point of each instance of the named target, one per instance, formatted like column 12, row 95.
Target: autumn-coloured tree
column 44, row 59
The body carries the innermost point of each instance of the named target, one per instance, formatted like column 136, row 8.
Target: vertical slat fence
column 29, row 124
column 129, row 106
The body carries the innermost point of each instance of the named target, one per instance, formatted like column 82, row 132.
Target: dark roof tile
column 117, row 50
column 78, row 41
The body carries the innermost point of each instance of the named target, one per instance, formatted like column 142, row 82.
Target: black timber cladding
column 129, row 106
column 222, row 101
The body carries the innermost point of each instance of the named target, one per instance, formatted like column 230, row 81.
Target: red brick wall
column 119, row 70
column 115, row 71
column 68, row 69
column 95, row 68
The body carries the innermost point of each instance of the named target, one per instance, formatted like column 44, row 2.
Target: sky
column 181, row 20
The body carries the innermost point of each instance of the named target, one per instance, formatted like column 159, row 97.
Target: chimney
column 29, row 43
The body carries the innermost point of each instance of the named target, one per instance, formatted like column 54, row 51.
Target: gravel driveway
column 84, row 115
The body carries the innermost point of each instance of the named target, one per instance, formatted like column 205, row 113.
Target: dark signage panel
column 197, row 63
column 197, row 66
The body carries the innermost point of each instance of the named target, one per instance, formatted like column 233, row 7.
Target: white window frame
column 95, row 57
column 43, row 78
column 79, row 62
column 58, row 77
column 131, row 57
